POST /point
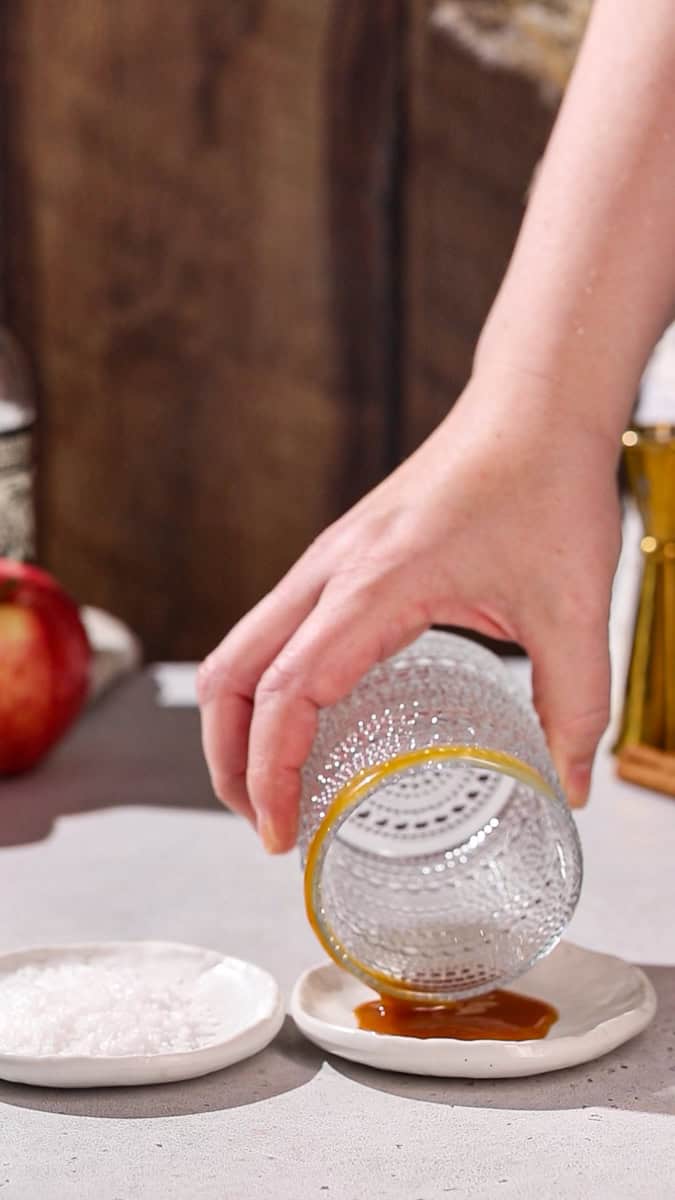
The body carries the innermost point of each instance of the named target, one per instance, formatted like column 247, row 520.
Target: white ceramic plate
column 602, row 1002
column 246, row 999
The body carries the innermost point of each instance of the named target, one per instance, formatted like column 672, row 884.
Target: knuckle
column 224, row 786
column 282, row 677
column 257, row 773
column 207, row 678
column 585, row 727
column 323, row 541
column 321, row 546
column 363, row 591
column 220, row 670
column 356, row 589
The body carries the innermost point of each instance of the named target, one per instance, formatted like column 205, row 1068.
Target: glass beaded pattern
column 17, row 534
column 450, row 876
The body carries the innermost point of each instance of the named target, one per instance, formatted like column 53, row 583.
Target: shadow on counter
column 638, row 1077
column 124, row 750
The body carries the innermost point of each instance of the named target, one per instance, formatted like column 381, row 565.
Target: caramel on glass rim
column 347, row 799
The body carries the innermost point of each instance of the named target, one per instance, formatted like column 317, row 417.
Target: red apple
column 44, row 664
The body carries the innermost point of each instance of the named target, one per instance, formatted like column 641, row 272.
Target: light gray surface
column 145, row 853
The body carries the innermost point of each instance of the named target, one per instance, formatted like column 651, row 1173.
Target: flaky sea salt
column 104, row 1008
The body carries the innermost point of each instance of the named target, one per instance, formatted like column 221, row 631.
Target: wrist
column 548, row 401
column 561, row 382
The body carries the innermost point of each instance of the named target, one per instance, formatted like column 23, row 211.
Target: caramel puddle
column 500, row 1016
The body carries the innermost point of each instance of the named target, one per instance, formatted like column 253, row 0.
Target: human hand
column 505, row 521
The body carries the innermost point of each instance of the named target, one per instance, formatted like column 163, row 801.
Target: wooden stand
column 648, row 768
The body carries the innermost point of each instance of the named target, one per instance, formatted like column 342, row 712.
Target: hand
column 505, row 521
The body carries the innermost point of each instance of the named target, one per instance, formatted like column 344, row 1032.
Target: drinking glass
column 441, row 859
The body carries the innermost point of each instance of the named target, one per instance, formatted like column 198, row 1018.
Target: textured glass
column 16, row 453
column 449, row 876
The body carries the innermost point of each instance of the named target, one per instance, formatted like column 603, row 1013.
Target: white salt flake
column 104, row 1009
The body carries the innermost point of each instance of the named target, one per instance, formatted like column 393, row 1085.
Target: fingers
column 337, row 644
column 571, row 678
column 225, row 725
column 257, row 638
column 229, row 676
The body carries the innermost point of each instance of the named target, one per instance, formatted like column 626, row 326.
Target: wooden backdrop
column 249, row 246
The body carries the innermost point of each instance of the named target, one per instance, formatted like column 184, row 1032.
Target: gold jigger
column 646, row 742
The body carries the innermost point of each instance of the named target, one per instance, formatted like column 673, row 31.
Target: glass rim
column 359, row 787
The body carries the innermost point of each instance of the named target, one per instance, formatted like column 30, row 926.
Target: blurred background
column 248, row 246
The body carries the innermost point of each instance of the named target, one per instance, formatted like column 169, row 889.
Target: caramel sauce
column 500, row 1016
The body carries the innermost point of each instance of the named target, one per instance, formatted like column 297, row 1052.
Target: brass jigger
column 646, row 742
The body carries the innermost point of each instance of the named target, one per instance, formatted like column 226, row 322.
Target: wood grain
column 250, row 247
column 205, row 412
column 474, row 138
column 364, row 100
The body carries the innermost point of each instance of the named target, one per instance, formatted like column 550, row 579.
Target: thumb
column 571, row 694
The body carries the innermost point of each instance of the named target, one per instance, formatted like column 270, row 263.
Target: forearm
column 591, row 284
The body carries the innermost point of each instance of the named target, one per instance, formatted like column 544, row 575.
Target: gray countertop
column 117, row 836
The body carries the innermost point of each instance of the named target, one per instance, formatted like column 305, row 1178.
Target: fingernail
column 269, row 837
column 577, row 784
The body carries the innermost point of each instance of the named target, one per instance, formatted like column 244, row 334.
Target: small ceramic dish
column 602, row 1002
column 245, row 1002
